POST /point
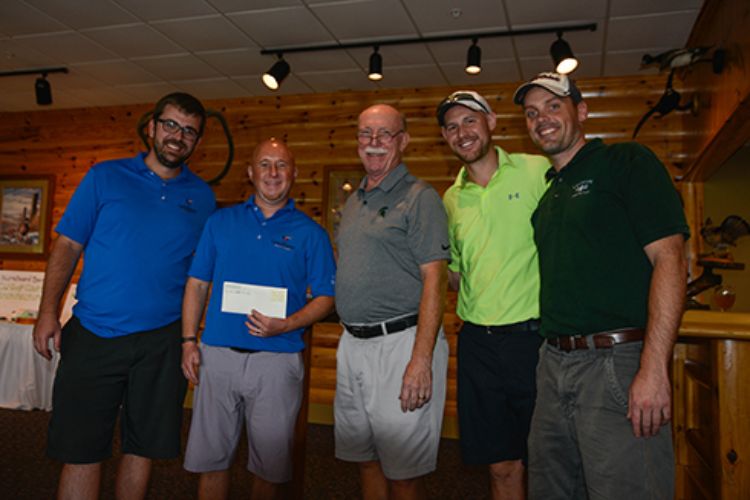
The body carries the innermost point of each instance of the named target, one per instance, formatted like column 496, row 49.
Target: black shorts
column 137, row 376
column 496, row 393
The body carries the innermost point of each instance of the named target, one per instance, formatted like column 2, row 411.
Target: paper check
column 242, row 299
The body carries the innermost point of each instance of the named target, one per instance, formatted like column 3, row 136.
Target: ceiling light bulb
column 474, row 59
column 375, row 72
column 274, row 76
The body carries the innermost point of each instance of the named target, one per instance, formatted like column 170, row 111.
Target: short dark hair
column 186, row 103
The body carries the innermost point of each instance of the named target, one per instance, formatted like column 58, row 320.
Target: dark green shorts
column 137, row 376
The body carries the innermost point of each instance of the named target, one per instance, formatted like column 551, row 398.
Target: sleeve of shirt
column 79, row 220
column 427, row 230
column 321, row 266
column 202, row 267
column 651, row 200
column 541, row 183
column 455, row 263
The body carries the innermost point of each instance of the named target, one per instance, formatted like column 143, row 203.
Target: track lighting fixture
column 42, row 87
column 474, row 59
column 562, row 56
column 43, row 90
column 272, row 79
column 375, row 72
column 278, row 72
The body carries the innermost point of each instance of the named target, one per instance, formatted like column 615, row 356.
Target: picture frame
column 25, row 216
column 339, row 182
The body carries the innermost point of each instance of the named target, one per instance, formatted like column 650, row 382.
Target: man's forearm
column 666, row 301
column 431, row 304
column 60, row 266
column 314, row 311
column 193, row 304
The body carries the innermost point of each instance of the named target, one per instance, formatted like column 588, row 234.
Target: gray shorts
column 265, row 390
column 369, row 422
column 581, row 444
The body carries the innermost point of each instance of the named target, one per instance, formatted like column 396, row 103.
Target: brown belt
column 603, row 340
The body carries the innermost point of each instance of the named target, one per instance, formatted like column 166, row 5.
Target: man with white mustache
column 392, row 358
column 494, row 268
column 137, row 221
column 610, row 231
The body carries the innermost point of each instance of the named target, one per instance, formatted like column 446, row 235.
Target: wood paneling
column 723, row 123
column 711, row 421
column 320, row 130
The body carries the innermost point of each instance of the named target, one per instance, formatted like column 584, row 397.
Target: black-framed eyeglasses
column 382, row 136
column 172, row 127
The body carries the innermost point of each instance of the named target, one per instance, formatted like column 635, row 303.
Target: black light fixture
column 375, row 72
column 42, row 86
column 562, row 56
column 278, row 72
column 43, row 90
column 474, row 59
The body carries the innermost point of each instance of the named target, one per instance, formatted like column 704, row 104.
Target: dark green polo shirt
column 590, row 229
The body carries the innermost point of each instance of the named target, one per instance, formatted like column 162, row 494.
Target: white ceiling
column 135, row 51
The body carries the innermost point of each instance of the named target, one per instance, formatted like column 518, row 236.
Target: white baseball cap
column 466, row 98
column 558, row 84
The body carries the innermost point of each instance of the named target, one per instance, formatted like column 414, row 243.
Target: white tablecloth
column 25, row 377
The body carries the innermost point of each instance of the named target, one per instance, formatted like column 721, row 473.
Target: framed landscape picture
column 25, row 215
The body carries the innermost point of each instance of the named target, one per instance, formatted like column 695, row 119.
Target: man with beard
column 137, row 220
column 248, row 367
column 610, row 232
column 495, row 270
column 390, row 289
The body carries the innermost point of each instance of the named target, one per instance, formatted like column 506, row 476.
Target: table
column 25, row 377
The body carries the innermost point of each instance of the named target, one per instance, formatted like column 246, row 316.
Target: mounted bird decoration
column 672, row 60
column 725, row 235
column 668, row 102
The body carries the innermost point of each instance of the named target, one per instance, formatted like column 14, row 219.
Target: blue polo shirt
column 139, row 232
column 287, row 250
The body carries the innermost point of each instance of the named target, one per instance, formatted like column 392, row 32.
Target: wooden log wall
column 321, row 131
column 722, row 124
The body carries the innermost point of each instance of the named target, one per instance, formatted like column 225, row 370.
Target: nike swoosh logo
column 445, row 247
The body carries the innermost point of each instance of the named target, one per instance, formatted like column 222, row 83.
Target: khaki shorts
column 263, row 390
column 369, row 422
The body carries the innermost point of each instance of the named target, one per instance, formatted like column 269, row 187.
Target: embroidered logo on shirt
column 187, row 205
column 582, row 188
column 512, row 196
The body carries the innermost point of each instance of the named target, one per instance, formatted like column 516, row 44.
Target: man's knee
column 506, row 471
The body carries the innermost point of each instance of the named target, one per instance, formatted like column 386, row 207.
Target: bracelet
column 189, row 339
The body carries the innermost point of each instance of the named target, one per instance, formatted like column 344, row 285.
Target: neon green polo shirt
column 492, row 240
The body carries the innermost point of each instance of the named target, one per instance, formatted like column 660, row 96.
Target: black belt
column 379, row 329
column 244, row 351
column 530, row 325
column 603, row 340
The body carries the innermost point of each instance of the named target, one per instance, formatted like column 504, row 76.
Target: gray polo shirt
column 384, row 236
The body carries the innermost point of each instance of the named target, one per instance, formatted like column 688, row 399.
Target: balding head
column 272, row 171
column 382, row 140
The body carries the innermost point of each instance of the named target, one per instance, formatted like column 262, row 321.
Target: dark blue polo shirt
column 287, row 250
column 139, row 232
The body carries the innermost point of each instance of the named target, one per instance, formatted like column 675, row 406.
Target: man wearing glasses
column 138, row 221
column 494, row 268
column 390, row 287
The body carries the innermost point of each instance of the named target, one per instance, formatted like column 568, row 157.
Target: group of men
column 570, row 283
